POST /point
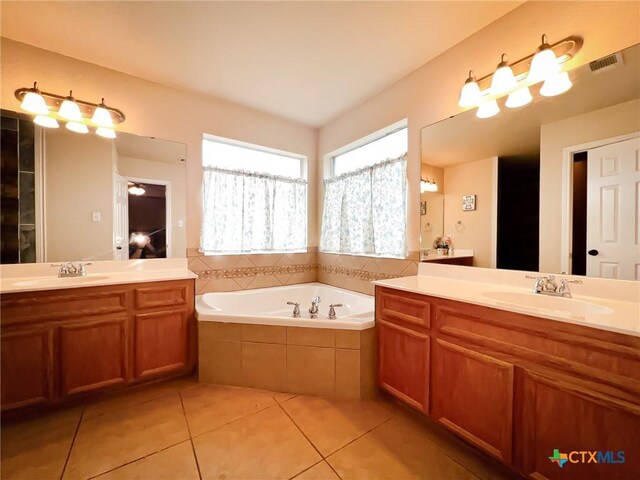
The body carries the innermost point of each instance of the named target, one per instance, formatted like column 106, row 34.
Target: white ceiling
column 307, row 61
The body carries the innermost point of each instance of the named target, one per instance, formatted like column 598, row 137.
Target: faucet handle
column 332, row 310
column 296, row 309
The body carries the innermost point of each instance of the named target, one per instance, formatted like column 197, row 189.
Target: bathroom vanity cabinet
column 515, row 386
column 62, row 344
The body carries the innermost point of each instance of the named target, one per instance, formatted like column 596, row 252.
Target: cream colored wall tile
column 347, row 373
column 264, row 365
column 218, row 262
column 303, row 277
column 392, row 266
column 284, row 261
column 312, row 337
column 311, row 370
column 220, row 362
column 348, row 339
column 244, row 282
column 371, row 266
column 354, row 262
column 303, row 258
column 327, row 258
column 193, row 252
column 244, row 263
column 264, row 334
column 201, row 285
column 357, row 285
column 411, row 270
column 221, row 285
column 197, row 265
column 264, row 281
column 414, row 255
column 218, row 331
column 266, row 259
column 284, row 279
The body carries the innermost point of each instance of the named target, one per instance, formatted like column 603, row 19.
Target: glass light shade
column 543, row 66
column 519, row 98
column 136, row 189
column 102, row 117
column 427, row 186
column 33, row 102
column 470, row 95
column 70, row 110
column 77, row 127
column 488, row 109
column 106, row 132
column 556, row 85
column 47, row 122
column 503, row 80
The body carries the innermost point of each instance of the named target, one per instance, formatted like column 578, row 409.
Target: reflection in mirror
column 554, row 182
column 69, row 197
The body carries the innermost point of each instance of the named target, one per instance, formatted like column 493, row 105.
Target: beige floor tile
column 108, row 441
column 394, row 451
column 331, row 424
column 266, row 445
column 320, row 471
column 177, row 462
column 37, row 449
column 137, row 395
column 211, row 406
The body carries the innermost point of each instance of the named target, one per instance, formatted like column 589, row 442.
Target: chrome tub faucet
column 313, row 310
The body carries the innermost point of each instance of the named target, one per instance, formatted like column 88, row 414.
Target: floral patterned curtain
column 246, row 212
column 365, row 211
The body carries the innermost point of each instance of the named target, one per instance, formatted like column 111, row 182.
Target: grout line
column 333, row 469
column 307, row 469
column 303, row 434
column 73, row 441
column 357, row 438
column 193, row 448
column 235, row 420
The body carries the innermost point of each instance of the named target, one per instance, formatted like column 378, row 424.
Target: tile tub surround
column 314, row 361
column 231, row 432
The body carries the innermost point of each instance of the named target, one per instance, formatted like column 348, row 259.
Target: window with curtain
column 254, row 200
column 365, row 204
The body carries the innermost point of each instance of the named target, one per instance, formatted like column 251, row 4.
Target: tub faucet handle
column 296, row 309
column 332, row 310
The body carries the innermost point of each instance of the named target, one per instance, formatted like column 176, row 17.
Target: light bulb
column 428, row 186
column 33, row 102
column 555, row 85
column 106, row 132
column 70, row 110
column 47, row 122
column 503, row 79
column 519, row 98
column 470, row 95
column 544, row 64
column 488, row 109
column 101, row 116
column 77, row 127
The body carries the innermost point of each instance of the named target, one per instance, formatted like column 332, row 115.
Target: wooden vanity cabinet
column 62, row 344
column 515, row 386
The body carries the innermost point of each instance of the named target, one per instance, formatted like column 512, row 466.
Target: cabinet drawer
column 168, row 295
column 403, row 307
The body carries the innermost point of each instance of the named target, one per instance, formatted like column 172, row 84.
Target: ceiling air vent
column 607, row 63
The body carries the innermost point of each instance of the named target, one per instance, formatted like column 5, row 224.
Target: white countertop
column 460, row 284
column 38, row 277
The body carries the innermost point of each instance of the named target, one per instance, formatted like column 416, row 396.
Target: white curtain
column 365, row 211
column 246, row 212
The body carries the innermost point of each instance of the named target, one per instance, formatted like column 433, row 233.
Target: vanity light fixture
column 136, row 189
column 428, row 185
column 79, row 115
column 514, row 79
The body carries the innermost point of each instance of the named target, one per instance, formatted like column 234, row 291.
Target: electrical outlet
column 96, row 216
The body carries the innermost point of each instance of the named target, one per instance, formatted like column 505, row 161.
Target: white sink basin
column 58, row 282
column 557, row 305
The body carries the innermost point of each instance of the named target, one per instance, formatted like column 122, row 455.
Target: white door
column 613, row 211
column 120, row 218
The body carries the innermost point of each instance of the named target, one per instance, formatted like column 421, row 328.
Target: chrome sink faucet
column 69, row 269
column 547, row 285
column 314, row 307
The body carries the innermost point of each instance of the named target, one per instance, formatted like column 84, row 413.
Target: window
column 365, row 201
column 254, row 199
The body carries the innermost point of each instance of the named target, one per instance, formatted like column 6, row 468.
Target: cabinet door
column 162, row 342
column 26, row 368
column 92, row 353
column 558, row 415
column 472, row 395
column 403, row 368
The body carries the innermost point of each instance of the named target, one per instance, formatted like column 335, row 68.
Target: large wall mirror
column 553, row 186
column 69, row 196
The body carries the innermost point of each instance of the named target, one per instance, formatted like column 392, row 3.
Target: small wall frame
column 468, row 203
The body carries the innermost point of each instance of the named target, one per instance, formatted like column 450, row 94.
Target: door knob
column 118, row 248
column 593, row 253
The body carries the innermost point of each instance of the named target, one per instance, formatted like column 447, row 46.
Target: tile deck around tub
column 182, row 430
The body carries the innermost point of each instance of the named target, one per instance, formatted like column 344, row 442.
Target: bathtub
column 268, row 306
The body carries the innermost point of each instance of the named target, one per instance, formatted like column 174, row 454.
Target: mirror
column 550, row 186
column 69, row 196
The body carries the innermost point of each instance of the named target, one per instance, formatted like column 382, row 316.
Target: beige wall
column 476, row 232
column 430, row 93
column 601, row 124
column 78, row 181
column 171, row 172
column 159, row 111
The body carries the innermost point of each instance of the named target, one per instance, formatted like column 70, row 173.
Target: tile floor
column 185, row 430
